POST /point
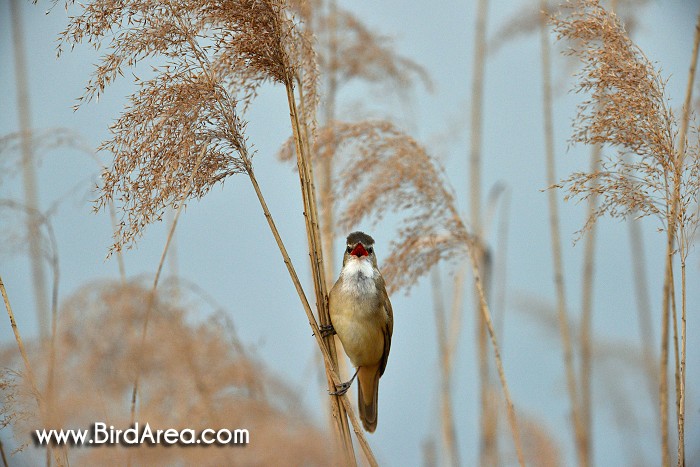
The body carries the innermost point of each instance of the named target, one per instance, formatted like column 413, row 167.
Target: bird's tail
column 368, row 396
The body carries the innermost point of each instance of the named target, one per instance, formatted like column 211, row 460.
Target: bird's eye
column 370, row 250
column 349, row 249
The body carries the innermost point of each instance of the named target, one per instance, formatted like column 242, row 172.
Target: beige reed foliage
column 628, row 109
column 390, row 172
column 385, row 170
column 527, row 20
column 210, row 58
column 366, row 55
column 196, row 373
column 182, row 132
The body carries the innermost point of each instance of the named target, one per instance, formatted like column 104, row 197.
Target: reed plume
column 628, row 109
column 196, row 373
column 183, row 133
column 390, row 172
column 362, row 54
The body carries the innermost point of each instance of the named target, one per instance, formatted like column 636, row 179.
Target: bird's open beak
column 359, row 251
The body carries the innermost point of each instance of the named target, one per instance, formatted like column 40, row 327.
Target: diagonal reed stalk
column 313, row 238
column 53, row 260
column 23, row 352
column 253, row 42
column 312, row 320
column 30, row 378
column 579, row 432
column 510, row 410
column 313, row 232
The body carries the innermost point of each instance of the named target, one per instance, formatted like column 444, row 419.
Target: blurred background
column 233, row 273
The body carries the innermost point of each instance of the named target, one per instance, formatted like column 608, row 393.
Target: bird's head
column 360, row 247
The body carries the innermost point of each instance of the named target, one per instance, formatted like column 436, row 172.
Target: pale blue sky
column 225, row 246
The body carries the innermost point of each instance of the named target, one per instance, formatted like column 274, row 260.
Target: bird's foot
column 342, row 388
column 326, row 330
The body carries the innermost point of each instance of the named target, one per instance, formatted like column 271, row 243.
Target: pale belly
column 360, row 332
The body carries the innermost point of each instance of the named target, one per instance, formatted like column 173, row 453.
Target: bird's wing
column 387, row 329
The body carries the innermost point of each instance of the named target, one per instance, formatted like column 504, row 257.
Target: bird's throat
column 358, row 277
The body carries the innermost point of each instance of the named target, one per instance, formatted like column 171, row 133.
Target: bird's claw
column 326, row 330
column 341, row 389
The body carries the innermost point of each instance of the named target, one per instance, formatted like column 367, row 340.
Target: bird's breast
column 357, row 313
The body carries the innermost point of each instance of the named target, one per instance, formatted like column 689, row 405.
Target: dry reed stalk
column 580, row 440
column 629, row 110
column 312, row 321
column 31, row 196
column 447, row 418
column 316, row 256
column 487, row 446
column 674, row 327
column 510, row 410
column 50, row 386
column 683, row 245
column 501, row 291
column 27, row 366
column 585, row 335
column 455, row 324
column 663, row 367
column 20, row 345
column 364, row 56
column 156, row 136
column 53, row 260
column 681, row 401
column 329, row 23
column 301, row 135
column 447, row 337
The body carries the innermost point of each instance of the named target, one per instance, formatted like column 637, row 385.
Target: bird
column 362, row 317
